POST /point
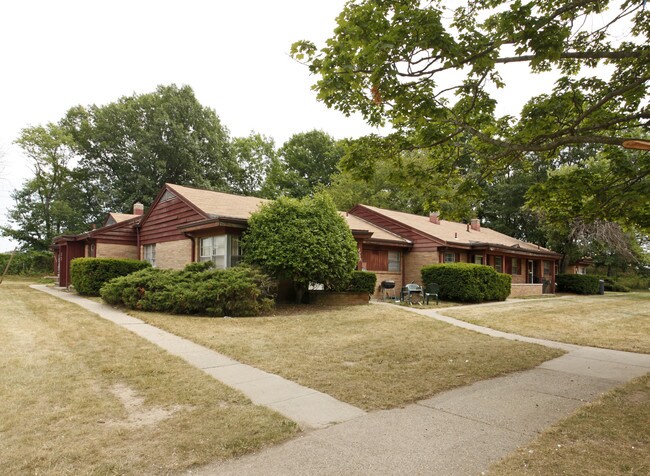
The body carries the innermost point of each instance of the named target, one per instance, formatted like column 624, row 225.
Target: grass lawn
column 373, row 356
column 613, row 321
column 609, row 436
column 80, row 395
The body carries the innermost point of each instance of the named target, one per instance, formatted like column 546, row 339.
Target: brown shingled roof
column 456, row 233
column 218, row 204
column 357, row 224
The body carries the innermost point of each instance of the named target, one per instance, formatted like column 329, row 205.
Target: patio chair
column 431, row 290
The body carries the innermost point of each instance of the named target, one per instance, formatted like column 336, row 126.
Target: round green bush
column 466, row 282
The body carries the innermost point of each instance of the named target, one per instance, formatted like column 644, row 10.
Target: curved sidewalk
column 307, row 407
column 459, row 432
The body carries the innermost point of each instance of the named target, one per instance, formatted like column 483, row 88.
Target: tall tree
column 131, row 147
column 253, row 156
column 307, row 160
column 395, row 62
column 48, row 204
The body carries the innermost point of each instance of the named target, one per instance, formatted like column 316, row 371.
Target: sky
column 235, row 56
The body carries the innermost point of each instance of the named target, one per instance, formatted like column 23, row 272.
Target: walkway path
column 308, row 407
column 459, row 432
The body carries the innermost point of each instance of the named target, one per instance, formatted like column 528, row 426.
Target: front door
column 531, row 271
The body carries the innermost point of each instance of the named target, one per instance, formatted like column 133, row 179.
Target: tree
column 253, row 156
column 305, row 241
column 131, row 147
column 394, row 62
column 307, row 160
column 48, row 204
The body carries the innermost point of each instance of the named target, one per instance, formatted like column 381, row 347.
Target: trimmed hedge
column 466, row 282
column 359, row 282
column 578, row 283
column 28, row 263
column 87, row 275
column 240, row 291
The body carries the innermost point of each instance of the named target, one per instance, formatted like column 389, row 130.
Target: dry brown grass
column 609, row 436
column 370, row 356
column 613, row 321
column 80, row 395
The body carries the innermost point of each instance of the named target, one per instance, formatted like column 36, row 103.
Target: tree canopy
column 305, row 241
column 306, row 161
column 132, row 146
column 434, row 73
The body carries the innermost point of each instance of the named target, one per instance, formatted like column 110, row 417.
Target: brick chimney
column 475, row 224
column 434, row 217
column 138, row 208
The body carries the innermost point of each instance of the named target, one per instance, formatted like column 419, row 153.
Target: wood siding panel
column 164, row 220
column 123, row 235
column 376, row 260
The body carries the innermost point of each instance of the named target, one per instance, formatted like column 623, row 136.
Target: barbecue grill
column 388, row 289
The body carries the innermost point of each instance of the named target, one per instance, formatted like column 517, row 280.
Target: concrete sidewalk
column 459, row 432
column 307, row 407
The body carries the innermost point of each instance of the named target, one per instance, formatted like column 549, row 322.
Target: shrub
column 362, row 282
column 304, row 241
column 240, row 291
column 357, row 282
column 29, row 263
column 89, row 274
column 612, row 284
column 578, row 283
column 634, row 281
column 465, row 282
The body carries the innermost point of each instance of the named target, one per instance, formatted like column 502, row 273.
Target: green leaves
column 305, row 241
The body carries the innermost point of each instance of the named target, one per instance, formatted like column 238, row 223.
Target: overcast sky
column 58, row 54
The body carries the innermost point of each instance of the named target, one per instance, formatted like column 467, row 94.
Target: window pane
column 394, row 261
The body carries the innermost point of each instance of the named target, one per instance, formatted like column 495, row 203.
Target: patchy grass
column 614, row 321
column 609, row 436
column 373, row 357
column 83, row 396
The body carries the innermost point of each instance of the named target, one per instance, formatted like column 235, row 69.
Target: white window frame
column 220, row 249
column 395, row 261
column 447, row 255
column 149, row 254
column 479, row 258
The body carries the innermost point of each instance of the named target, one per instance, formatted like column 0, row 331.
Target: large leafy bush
column 465, row 282
column 304, row 241
column 27, row 263
column 87, row 275
column 578, row 283
column 240, row 291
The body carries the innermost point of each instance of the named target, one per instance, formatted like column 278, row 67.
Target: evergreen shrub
column 240, row 291
column 87, row 275
column 466, row 282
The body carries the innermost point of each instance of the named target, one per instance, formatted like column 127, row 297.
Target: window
column 547, row 268
column 498, row 264
column 450, row 257
column 150, row 254
column 213, row 249
column 514, row 266
column 223, row 250
column 394, row 258
column 235, row 251
column 478, row 259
